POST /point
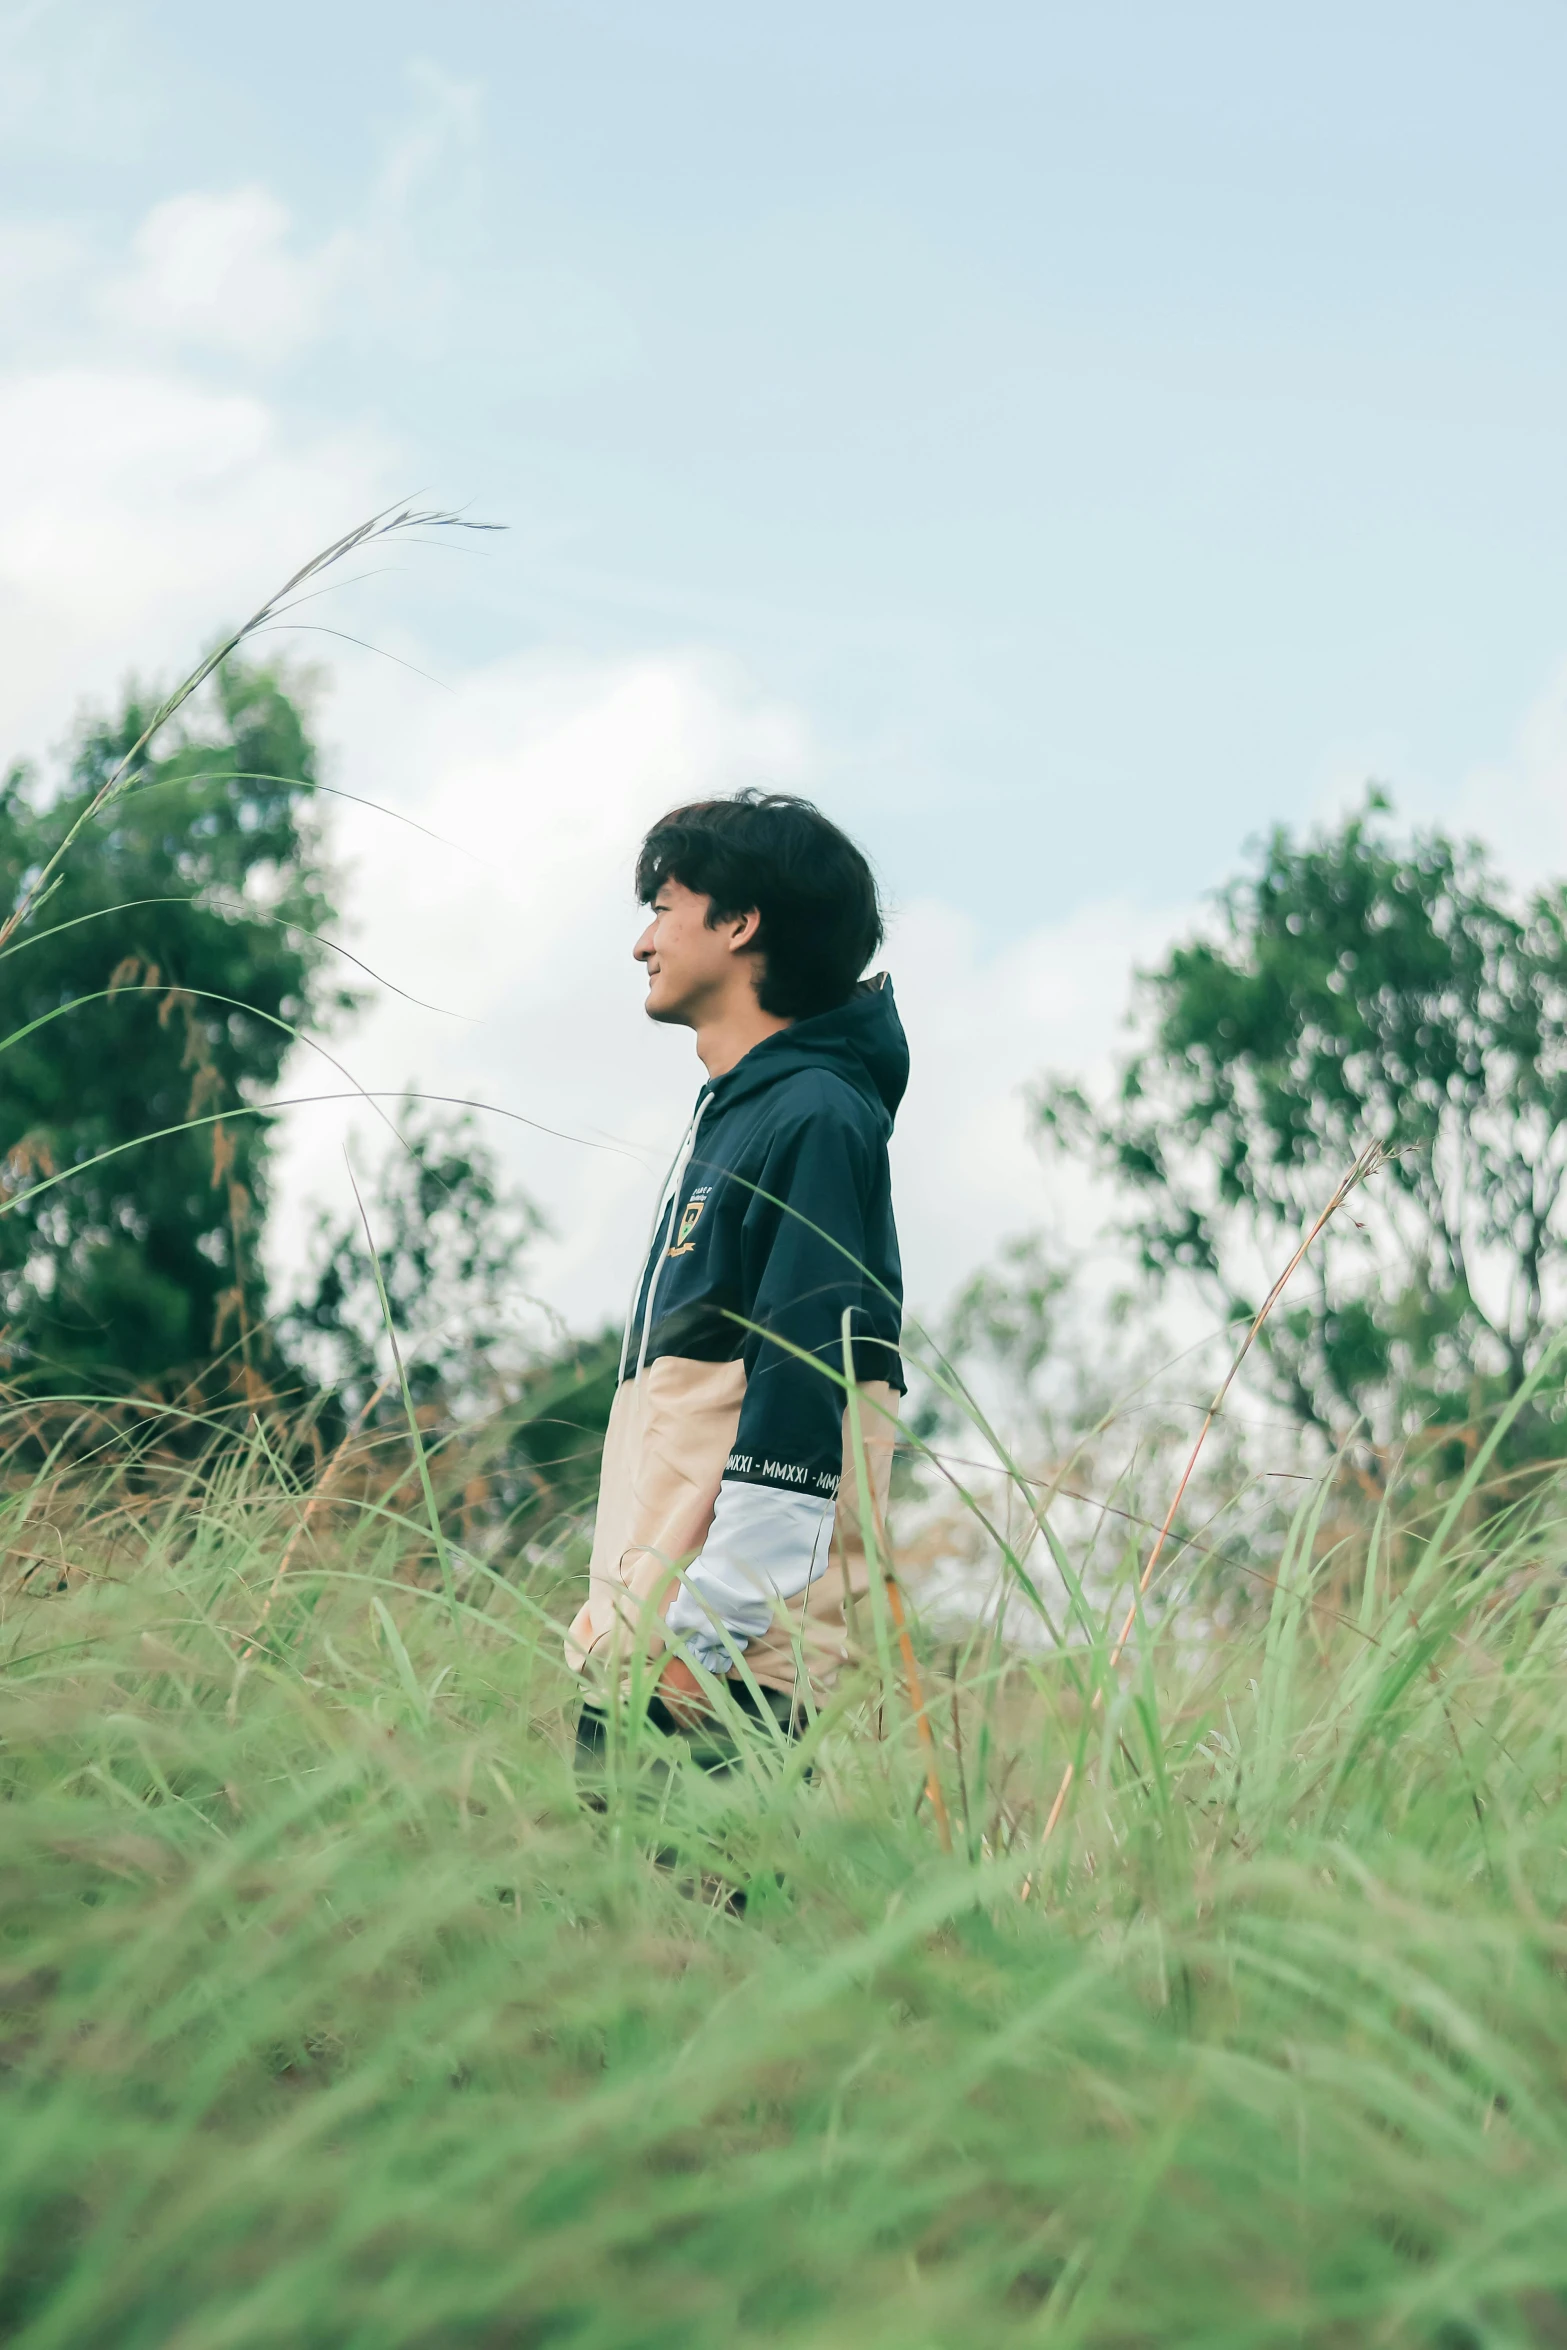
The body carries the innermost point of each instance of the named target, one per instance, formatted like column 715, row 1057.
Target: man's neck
column 731, row 1032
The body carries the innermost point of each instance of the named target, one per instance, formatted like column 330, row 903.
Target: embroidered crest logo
column 690, row 1217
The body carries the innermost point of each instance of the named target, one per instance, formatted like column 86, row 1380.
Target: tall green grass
column 330, row 2016
column 1159, row 1985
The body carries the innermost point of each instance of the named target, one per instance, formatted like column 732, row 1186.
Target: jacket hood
column 861, row 1040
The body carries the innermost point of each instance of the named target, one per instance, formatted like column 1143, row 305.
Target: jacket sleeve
column 763, row 1549
column 802, row 1259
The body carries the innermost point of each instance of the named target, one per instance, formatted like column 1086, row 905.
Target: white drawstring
column 667, row 1196
column 676, row 1180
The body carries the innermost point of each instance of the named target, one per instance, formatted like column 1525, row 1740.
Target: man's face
column 691, row 966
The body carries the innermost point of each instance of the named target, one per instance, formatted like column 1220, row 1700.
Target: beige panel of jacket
column 670, row 1433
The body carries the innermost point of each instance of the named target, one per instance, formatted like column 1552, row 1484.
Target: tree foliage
column 1353, row 988
column 152, row 999
column 446, row 1281
column 449, row 1240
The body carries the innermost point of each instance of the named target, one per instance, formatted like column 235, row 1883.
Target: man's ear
column 742, row 930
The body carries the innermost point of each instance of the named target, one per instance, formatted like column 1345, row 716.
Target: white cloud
column 545, row 772
column 225, row 272
column 146, row 507
column 983, row 1025
column 1518, row 805
column 142, row 511
column 1515, row 803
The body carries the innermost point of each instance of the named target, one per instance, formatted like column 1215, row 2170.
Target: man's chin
column 668, row 1015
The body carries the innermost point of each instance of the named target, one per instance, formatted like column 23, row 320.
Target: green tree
column 156, row 987
column 482, row 1357
column 1351, row 989
column 450, row 1237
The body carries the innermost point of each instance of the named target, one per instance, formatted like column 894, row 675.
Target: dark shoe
column 709, row 1744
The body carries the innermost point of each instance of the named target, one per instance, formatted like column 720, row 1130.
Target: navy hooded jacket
column 727, row 1443
column 779, row 1222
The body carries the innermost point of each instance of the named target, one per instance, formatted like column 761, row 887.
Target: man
column 730, row 1517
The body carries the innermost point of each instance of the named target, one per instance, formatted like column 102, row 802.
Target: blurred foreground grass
column 328, row 2017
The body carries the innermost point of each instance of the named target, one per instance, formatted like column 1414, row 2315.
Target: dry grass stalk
column 349, row 1438
column 938, row 1801
column 391, row 522
column 1374, row 1156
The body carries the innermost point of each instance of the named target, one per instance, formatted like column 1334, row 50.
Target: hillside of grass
column 330, row 2015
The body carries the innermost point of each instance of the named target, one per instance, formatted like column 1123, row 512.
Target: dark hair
column 815, row 893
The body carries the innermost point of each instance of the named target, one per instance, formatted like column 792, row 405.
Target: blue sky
column 1069, row 440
